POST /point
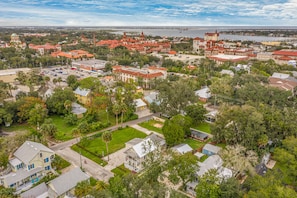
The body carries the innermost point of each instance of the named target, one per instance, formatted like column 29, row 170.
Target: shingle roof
column 21, row 174
column 67, row 181
column 29, row 150
column 38, row 191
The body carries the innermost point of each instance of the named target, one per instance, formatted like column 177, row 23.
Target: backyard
column 204, row 126
column 152, row 125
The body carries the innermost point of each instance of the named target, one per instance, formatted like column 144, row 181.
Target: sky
column 148, row 13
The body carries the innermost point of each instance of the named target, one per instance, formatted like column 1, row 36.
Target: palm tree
column 124, row 109
column 116, row 109
column 107, row 137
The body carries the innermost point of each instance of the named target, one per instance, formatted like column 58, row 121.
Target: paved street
column 92, row 168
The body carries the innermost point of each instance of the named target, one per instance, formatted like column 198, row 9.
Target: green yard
column 151, row 125
column 18, row 127
column 204, row 126
column 195, row 144
column 92, row 147
column 121, row 170
column 64, row 131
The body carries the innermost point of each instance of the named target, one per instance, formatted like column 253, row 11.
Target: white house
column 203, row 94
column 136, row 156
column 30, row 163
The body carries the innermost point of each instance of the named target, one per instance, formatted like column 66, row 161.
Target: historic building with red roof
column 73, row 54
column 283, row 56
column 143, row 76
column 140, row 44
column 46, row 48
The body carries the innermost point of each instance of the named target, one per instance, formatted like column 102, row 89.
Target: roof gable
column 29, row 150
column 81, row 92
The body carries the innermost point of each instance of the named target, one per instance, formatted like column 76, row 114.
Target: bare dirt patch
column 158, row 125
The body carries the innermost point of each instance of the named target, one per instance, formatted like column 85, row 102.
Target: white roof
column 39, row 191
column 15, row 161
column 228, row 57
column 212, row 148
column 199, row 155
column 212, row 162
column 227, row 71
column 203, row 93
column 182, row 148
column 144, row 147
column 77, row 109
column 139, row 103
column 280, row 75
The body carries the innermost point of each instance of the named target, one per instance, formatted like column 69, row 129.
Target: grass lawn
column 64, row 130
column 121, row 170
column 204, row 126
column 89, row 155
column 119, row 138
column 194, row 144
column 59, row 163
column 18, row 127
column 150, row 126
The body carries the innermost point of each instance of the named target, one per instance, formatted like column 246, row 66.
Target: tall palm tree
column 107, row 137
column 116, row 109
column 124, row 109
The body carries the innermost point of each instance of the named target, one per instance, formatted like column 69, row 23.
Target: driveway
column 89, row 166
column 115, row 159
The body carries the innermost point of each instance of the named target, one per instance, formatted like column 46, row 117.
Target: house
column 29, row 164
column 140, row 105
column 210, row 149
column 78, row 110
column 62, row 186
column 83, row 95
column 211, row 116
column 137, row 154
column 65, row 183
column 212, row 162
column 152, row 97
column 282, row 81
column 203, row 94
column 199, row 135
column 182, row 148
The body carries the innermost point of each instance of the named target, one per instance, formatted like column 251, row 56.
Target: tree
column 184, row 121
column 72, row 81
column 3, row 160
column 196, row 112
column 25, row 105
column 182, row 168
column 173, row 133
column 82, row 189
column 56, row 102
column 239, row 159
column 208, row 185
column 71, row 119
column 116, row 109
column 230, row 188
column 83, row 127
column 124, row 109
column 48, row 129
column 107, row 137
column 37, row 114
column 175, row 96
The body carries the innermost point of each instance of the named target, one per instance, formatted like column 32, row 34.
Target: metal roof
column 211, row 148
column 29, row 150
column 82, row 92
column 38, row 191
column 67, row 181
column 182, row 148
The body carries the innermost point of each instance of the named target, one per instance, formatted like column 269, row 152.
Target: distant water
column 193, row 32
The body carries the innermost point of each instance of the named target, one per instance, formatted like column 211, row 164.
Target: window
column 46, row 160
column 47, row 168
column 40, row 154
column 31, row 166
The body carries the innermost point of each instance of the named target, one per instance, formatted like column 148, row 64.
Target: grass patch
column 64, row 130
column 203, row 158
column 59, row 163
column 89, row 155
column 204, row 126
column 150, row 126
column 195, row 144
column 17, row 127
column 121, row 170
column 93, row 181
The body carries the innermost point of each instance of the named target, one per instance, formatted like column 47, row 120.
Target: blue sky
column 148, row 12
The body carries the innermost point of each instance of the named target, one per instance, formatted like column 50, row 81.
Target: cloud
column 144, row 12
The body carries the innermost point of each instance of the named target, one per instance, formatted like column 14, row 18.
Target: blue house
column 210, row 149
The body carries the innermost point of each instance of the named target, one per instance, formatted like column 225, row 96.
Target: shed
column 182, row 148
column 196, row 134
column 140, row 104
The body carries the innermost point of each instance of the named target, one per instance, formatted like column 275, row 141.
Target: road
column 92, row 168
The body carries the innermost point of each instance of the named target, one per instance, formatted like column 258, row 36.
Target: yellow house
column 30, row 163
column 83, row 95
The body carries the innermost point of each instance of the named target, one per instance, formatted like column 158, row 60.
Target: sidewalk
column 144, row 130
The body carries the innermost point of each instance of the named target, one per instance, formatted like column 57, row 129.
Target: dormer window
column 40, row 154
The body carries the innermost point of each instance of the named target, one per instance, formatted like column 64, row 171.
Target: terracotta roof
column 285, row 53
